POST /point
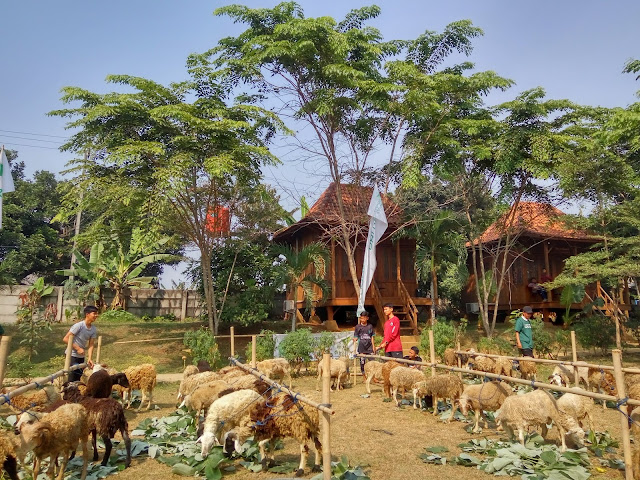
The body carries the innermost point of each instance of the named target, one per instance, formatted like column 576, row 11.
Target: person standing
column 363, row 334
column 392, row 344
column 524, row 336
column 84, row 333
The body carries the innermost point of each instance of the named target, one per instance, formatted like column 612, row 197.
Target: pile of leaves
column 535, row 460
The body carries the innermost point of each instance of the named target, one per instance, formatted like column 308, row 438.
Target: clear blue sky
column 574, row 49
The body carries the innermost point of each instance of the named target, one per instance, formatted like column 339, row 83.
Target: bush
column 596, row 331
column 265, row 346
column 167, row 317
column 118, row 316
column 543, row 340
column 495, row 346
column 445, row 335
column 323, row 344
column 297, row 347
column 203, row 346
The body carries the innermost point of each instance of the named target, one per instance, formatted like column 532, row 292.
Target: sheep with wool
column 280, row 417
column 247, row 381
column 580, row 407
column 224, row 414
column 202, row 398
column 386, row 372
column 601, row 381
column 503, row 366
column 190, row 370
column 537, row 408
column 372, row 371
column 141, row 377
column 100, row 383
column 440, row 386
column 191, row 382
column 8, row 456
column 487, row 396
column 35, row 400
column 483, row 364
column 563, row 375
column 450, row 358
column 339, row 373
column 405, row 378
column 57, row 433
column 275, row 369
column 528, row 369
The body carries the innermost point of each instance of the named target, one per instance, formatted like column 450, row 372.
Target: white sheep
column 275, row 368
column 533, row 409
column 203, row 397
column 191, row 382
column 57, row 433
column 484, row 396
column 339, row 373
column 373, row 371
column 578, row 406
column 405, row 378
column 563, row 375
column 227, row 412
column 440, row 386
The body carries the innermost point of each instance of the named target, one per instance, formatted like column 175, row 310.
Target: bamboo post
column 574, row 353
column 99, row 349
column 459, row 359
column 432, row 352
column 4, row 351
column 355, row 370
column 253, row 351
column 232, row 333
column 183, row 304
column 67, row 360
column 624, row 422
column 326, row 418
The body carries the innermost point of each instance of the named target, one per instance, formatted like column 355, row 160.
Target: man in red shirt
column 392, row 344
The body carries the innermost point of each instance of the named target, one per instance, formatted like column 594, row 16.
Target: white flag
column 6, row 180
column 377, row 226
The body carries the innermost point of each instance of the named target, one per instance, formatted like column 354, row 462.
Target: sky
column 574, row 49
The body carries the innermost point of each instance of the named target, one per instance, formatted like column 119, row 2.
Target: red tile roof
column 534, row 219
column 356, row 199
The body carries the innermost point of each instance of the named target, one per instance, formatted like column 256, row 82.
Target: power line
column 32, row 146
column 35, row 134
column 57, row 142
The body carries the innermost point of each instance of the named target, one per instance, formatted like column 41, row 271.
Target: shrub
column 118, row 316
column 297, row 347
column 495, row 345
column 323, row 344
column 596, row 331
column 203, row 346
column 265, row 346
column 445, row 335
column 167, row 317
column 543, row 340
column 562, row 341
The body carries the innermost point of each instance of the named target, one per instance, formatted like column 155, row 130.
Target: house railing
column 377, row 302
column 410, row 306
column 609, row 304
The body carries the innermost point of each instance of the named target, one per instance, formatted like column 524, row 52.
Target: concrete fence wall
column 181, row 303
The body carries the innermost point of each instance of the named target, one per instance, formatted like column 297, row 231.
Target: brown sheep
column 35, row 400
column 484, row 364
column 386, row 371
column 503, row 366
column 602, row 381
column 143, row 378
column 528, row 369
column 485, row 396
column 275, row 369
column 100, row 383
column 450, row 358
column 441, row 386
column 191, row 382
column 8, row 457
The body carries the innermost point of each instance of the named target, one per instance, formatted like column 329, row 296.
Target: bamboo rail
column 4, row 398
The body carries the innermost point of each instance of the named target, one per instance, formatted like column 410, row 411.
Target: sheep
column 635, row 430
column 564, row 375
column 35, row 400
column 282, row 416
column 231, row 371
column 249, row 381
column 404, row 377
column 372, row 371
column 202, row 398
column 203, row 366
column 528, row 370
column 449, row 358
column 8, row 455
column 503, row 366
column 441, row 386
column 191, row 382
column 386, row 371
column 143, row 378
column 537, row 408
column 275, row 368
column 601, row 381
column 100, row 383
column 106, row 417
column 339, row 373
column 225, row 412
column 483, row 364
column 57, row 434
column 190, row 370
column 578, row 406
column 485, row 396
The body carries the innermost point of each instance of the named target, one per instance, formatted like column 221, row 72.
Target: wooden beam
column 333, row 267
column 398, row 276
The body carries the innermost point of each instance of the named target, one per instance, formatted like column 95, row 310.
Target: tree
column 305, row 270
column 187, row 156
column 30, row 242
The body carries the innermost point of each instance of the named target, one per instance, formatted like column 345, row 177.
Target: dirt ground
column 386, row 440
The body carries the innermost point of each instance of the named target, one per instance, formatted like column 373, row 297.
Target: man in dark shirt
column 413, row 355
column 364, row 333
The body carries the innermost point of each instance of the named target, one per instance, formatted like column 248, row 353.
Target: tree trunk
column 209, row 293
column 434, row 294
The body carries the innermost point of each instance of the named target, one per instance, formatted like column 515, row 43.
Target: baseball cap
column 527, row 309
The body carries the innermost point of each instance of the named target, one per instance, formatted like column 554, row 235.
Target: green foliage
column 33, row 320
column 20, row 366
column 265, row 346
column 203, row 346
column 596, row 331
column 117, row 316
column 562, row 342
column 167, row 317
column 297, row 347
column 445, row 335
column 323, row 344
column 343, row 470
column 495, row 345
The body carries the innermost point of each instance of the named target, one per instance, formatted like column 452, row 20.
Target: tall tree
column 183, row 144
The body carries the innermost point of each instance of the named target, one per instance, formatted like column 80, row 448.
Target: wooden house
column 542, row 241
column 395, row 276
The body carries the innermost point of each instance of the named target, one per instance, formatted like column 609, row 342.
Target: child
column 364, row 334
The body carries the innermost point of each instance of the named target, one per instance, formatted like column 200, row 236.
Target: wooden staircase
column 405, row 310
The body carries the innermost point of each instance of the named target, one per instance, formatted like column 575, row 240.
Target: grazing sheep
column 372, row 371
column 202, row 398
column 483, row 364
column 275, row 368
column 503, row 366
column 485, row 396
column 35, row 400
column 58, row 433
column 339, row 373
column 602, row 381
column 537, row 408
column 440, row 386
column 190, row 370
column 106, row 417
column 227, row 412
column 528, row 370
column 143, row 378
column 386, row 371
column 564, row 375
column 248, row 381
column 231, row 371
column 191, row 382
column 8, row 457
column 282, row 416
column 449, row 358
column 578, row 406
column 100, row 383
column 405, row 378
